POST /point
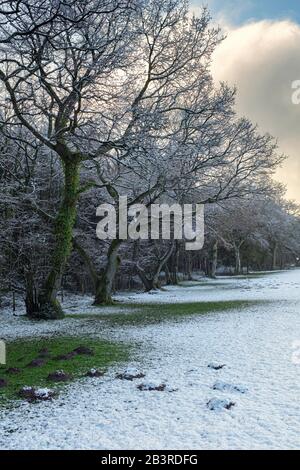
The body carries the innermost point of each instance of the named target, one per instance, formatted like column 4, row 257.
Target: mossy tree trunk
column 104, row 284
column 102, row 280
column 46, row 305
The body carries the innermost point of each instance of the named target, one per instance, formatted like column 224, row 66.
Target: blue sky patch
column 239, row 12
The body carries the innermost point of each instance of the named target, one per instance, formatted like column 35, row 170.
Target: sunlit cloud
column 263, row 59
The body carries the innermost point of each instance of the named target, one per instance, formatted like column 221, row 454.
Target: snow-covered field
column 260, row 377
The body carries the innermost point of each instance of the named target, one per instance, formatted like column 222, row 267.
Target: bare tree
column 53, row 72
column 122, row 84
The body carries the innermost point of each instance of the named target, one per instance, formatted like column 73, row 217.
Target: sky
column 241, row 11
column 261, row 57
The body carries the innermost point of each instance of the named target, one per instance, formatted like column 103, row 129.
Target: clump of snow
column 32, row 394
column 156, row 386
column 94, row 373
column 225, row 387
column 130, row 374
column 151, row 387
column 215, row 404
column 44, row 393
column 216, row 366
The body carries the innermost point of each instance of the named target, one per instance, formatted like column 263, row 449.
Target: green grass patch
column 217, row 283
column 252, row 275
column 21, row 352
column 144, row 314
column 219, row 280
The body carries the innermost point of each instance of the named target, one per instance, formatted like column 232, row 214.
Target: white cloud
column 263, row 59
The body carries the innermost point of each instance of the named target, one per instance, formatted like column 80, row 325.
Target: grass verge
column 20, row 353
column 144, row 314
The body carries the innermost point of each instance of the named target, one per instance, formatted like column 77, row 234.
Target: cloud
column 263, row 59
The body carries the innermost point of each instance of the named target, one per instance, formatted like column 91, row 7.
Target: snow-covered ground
column 260, row 377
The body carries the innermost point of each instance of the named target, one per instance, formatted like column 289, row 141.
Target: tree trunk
column 104, row 285
column 274, row 257
column 238, row 264
column 153, row 283
column 189, row 267
column 47, row 306
column 14, row 300
column 214, row 261
column 168, row 275
column 156, row 284
column 148, row 282
column 174, row 265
